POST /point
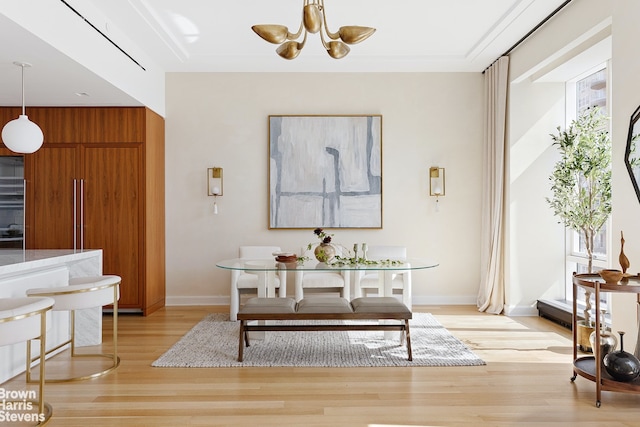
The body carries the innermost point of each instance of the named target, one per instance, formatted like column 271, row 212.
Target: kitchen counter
column 14, row 261
column 22, row 270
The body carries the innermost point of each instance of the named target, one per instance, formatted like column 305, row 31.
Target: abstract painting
column 325, row 171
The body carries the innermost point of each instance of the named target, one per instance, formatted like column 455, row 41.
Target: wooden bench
column 323, row 308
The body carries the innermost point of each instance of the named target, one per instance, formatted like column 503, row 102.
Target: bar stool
column 25, row 319
column 82, row 293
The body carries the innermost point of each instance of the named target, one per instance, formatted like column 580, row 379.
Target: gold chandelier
column 314, row 20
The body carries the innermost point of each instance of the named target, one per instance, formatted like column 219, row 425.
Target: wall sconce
column 436, row 183
column 214, row 185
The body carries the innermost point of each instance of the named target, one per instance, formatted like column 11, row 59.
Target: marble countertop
column 17, row 260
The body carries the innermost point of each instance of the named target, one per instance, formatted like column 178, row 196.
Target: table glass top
column 630, row 283
column 271, row 265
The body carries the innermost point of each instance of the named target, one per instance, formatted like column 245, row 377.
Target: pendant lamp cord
column 22, row 66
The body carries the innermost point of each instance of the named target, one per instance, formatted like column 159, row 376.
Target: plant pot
column 324, row 252
column 584, row 332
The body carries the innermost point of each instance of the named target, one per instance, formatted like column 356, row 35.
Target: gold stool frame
column 114, row 355
column 43, row 407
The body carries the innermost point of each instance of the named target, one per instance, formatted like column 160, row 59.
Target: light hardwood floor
column 526, row 382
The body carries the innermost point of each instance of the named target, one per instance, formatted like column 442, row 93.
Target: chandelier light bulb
column 354, row 34
column 337, row 50
column 275, row 34
column 312, row 18
column 289, row 50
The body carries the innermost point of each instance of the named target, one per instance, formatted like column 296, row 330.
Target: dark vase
column 621, row 365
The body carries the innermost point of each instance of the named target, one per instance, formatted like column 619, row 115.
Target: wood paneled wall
column 121, row 132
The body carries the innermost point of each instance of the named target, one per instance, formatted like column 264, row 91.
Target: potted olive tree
column 581, row 186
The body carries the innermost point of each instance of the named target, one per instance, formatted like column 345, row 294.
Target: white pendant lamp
column 21, row 135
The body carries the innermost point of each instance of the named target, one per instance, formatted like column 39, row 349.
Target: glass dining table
column 266, row 269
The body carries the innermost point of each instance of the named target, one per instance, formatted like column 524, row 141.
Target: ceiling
column 216, row 36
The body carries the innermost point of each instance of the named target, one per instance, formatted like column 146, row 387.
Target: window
column 586, row 91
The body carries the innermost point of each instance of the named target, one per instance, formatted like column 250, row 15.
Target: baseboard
column 519, row 311
column 224, row 300
column 430, row 300
column 513, row 311
column 198, row 300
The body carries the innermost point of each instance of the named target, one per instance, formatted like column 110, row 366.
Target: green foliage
column 633, row 158
column 581, row 180
column 339, row 261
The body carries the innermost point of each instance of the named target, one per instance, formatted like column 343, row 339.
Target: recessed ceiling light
column 82, row 94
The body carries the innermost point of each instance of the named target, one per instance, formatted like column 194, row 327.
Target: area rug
column 213, row 343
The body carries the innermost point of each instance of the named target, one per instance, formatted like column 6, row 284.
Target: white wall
column 626, row 208
column 220, row 119
column 536, row 251
column 536, row 240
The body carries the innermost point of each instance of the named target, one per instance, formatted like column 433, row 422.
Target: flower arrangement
column 323, row 252
column 324, row 237
column 329, row 255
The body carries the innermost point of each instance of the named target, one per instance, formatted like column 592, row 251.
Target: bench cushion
column 378, row 305
column 323, row 308
column 324, row 305
column 268, row 305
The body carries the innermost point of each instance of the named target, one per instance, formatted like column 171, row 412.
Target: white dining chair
column 367, row 282
column 247, row 281
column 321, row 281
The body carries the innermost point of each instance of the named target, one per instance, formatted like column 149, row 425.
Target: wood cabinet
column 586, row 366
column 51, row 175
column 98, row 183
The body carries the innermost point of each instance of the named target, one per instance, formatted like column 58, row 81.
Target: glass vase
column 608, row 341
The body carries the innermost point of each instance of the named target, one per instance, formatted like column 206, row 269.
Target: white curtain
column 491, row 296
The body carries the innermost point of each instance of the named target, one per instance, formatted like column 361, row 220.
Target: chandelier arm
column 304, row 40
column 324, row 42
column 297, row 34
column 332, row 36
